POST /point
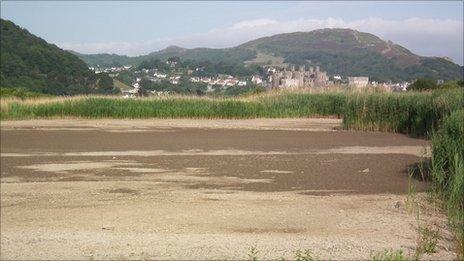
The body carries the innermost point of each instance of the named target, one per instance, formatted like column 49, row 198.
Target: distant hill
column 28, row 61
column 349, row 52
column 338, row 51
column 108, row 60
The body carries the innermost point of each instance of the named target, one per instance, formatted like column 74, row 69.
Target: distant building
column 256, row 79
column 299, row 78
column 159, row 75
column 358, row 82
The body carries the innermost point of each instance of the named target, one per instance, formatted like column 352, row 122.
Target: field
column 189, row 178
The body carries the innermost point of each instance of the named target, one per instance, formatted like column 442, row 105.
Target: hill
column 349, row 52
column 29, row 62
column 108, row 60
column 338, row 51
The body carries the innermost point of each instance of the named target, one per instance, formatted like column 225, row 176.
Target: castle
column 297, row 79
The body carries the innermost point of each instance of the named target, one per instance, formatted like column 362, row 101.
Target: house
column 195, row 79
column 256, row 79
column 159, row 75
column 358, row 82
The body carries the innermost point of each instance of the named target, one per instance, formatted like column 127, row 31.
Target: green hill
column 29, row 62
column 108, row 60
column 338, row 51
column 349, row 52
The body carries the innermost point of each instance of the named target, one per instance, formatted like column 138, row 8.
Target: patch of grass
column 299, row 255
column 303, row 255
column 253, row 254
column 388, row 255
column 411, row 200
column 428, row 240
column 120, row 85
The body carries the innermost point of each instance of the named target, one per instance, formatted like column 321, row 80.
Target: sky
column 429, row 28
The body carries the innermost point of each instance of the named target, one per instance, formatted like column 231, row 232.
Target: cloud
column 428, row 37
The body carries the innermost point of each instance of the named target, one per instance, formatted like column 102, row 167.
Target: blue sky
column 133, row 28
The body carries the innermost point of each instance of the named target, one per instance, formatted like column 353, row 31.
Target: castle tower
column 301, row 78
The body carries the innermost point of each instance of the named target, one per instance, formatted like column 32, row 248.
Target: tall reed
column 447, row 169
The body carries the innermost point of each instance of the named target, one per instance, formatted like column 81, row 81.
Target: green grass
column 253, row 254
column 447, row 170
column 416, row 113
column 428, row 240
column 411, row 113
column 388, row 255
column 267, row 106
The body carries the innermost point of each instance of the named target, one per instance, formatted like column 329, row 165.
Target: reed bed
column 263, row 106
column 415, row 113
column 447, row 170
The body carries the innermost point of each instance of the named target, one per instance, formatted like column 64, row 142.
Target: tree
column 105, row 84
column 423, row 84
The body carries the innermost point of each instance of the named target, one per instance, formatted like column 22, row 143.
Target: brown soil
column 205, row 190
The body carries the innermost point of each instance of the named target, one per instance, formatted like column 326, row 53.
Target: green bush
column 423, row 84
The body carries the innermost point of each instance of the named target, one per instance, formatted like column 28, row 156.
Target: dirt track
column 196, row 189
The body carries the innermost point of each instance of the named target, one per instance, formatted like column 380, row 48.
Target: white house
column 358, row 82
column 256, row 80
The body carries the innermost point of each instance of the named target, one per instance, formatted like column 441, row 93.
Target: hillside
column 338, row 51
column 29, row 62
column 349, row 52
column 108, row 60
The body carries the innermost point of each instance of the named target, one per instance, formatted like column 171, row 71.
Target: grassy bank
column 263, row 106
column 412, row 113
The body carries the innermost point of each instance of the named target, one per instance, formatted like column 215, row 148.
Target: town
column 170, row 79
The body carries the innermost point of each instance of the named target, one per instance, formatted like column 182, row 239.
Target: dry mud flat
column 206, row 189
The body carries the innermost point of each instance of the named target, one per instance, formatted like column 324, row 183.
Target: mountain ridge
column 337, row 50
